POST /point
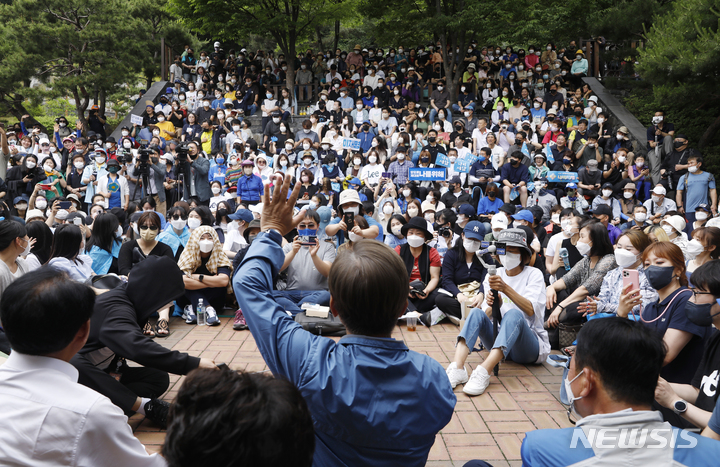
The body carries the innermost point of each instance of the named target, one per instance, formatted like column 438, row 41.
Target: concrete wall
column 619, row 115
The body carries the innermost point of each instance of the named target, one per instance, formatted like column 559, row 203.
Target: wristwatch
column 201, row 277
column 680, row 406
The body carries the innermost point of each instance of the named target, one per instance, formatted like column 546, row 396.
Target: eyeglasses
column 696, row 293
column 151, row 227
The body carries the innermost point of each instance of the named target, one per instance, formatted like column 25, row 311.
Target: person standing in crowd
column 47, row 320
column 696, row 188
column 521, row 336
column 368, row 285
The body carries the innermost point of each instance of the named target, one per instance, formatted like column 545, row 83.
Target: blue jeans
column 515, row 338
column 456, row 108
column 291, row 300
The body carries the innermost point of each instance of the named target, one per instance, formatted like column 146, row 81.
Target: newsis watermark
column 632, row 438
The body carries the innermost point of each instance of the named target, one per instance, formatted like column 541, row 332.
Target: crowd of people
column 190, row 214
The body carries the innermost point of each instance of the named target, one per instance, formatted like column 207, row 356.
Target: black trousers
column 423, row 305
column 448, row 305
column 135, row 382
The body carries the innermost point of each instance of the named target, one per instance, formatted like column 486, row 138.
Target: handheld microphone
column 490, row 249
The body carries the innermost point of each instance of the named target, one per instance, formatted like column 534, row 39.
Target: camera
column 144, row 155
column 123, row 156
column 57, row 120
column 445, row 232
column 500, row 247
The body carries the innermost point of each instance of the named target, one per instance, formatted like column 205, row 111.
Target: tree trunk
column 709, row 133
column 319, row 39
column 14, row 106
column 81, row 104
column 337, row 35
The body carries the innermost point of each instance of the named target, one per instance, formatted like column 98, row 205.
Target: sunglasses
column 177, row 217
column 151, row 227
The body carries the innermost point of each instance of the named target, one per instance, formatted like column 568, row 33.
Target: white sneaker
column 456, row 375
column 478, row 382
column 453, row 319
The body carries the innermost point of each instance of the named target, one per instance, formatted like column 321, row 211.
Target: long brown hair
column 670, row 252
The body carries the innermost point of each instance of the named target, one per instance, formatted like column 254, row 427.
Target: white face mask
column 178, row 224
column 564, row 223
column 640, row 217
column 607, row 193
column 156, row 133
column 216, row 190
column 355, row 210
column 656, row 199
column 621, row 159
column 161, row 119
column 668, row 229
column 510, row 260
column 125, row 133
column 415, row 241
column 119, row 231
column 397, row 230
column 306, row 146
column 692, row 169
column 619, row 136
column 600, row 120
column 695, row 248
column 41, row 204
column 357, row 161
column 628, row 194
column 206, row 246
column 48, row 168
column 388, row 209
column 624, row 258
column 193, row 223
column 412, row 212
column 100, row 160
column 583, row 248
column 556, row 218
column 406, row 193
column 372, row 159
column 471, row 245
column 354, row 237
column 452, row 158
column 401, row 156
column 701, row 216
column 571, row 397
column 79, row 165
column 127, row 145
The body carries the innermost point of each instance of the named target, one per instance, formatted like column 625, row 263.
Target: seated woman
column 40, row 252
column 423, row 267
column 703, row 248
column 67, row 253
column 14, row 246
column 585, row 278
column 177, row 233
column 393, row 231
column 657, row 234
column 628, row 255
column 460, row 268
column 664, row 266
column 222, row 221
column 571, row 234
column 521, row 337
column 104, row 244
column 207, row 273
column 135, row 251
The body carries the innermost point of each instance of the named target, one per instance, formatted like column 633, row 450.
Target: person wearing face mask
column 584, row 279
column 658, row 205
column 249, row 185
column 393, row 229
column 702, row 212
column 637, row 219
column 176, row 233
column 515, row 177
column 440, row 99
column 685, row 340
column 114, row 187
column 442, row 220
column 573, row 200
column 569, row 229
column 674, row 227
column 619, row 140
column 608, row 390
column 92, row 173
column 52, row 177
column 167, row 129
column 521, row 336
column 462, row 274
column 15, row 245
column 350, row 202
column 696, row 188
column 103, row 246
column 605, row 198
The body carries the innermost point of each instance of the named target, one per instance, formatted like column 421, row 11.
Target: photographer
column 194, row 168
column 148, row 163
column 92, row 173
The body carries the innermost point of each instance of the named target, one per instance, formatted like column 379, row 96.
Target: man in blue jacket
column 373, row 401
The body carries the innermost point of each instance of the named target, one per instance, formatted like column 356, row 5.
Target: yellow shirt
column 166, row 126
column 206, row 138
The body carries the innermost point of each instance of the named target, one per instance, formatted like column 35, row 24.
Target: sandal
column 569, row 351
column 148, row 330
column 163, row 328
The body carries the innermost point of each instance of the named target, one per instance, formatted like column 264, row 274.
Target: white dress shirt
column 49, row 419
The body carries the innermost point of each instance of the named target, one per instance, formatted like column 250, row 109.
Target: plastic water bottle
column 564, row 256
column 201, row 317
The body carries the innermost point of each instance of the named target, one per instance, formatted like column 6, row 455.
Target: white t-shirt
column 372, row 173
column 215, row 200
column 233, row 240
column 480, row 139
column 553, row 243
column 531, row 285
column 497, row 154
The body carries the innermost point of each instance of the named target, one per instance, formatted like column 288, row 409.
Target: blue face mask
column 481, row 158
column 220, row 160
column 659, row 276
column 354, row 187
column 700, row 313
column 567, row 161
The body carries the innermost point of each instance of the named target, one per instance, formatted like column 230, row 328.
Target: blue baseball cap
column 571, row 186
column 242, row 215
column 474, row 230
column 524, row 215
column 466, row 210
column 355, row 181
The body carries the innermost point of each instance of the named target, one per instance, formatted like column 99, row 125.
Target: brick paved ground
column 490, row 427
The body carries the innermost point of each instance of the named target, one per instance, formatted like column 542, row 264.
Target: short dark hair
column 707, row 277
column 369, row 287
column 698, row 158
column 627, row 355
column 266, row 419
column 9, row 231
column 148, row 200
column 312, row 214
column 42, row 312
column 206, row 217
column 152, row 217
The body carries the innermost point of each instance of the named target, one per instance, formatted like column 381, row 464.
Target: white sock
column 143, row 401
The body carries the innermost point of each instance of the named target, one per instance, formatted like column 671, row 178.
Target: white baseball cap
column 659, row 190
column 499, row 221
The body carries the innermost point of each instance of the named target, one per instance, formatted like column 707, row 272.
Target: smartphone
column 78, row 221
column 64, row 204
column 307, row 240
column 387, row 175
column 631, row 276
column 44, row 186
column 349, row 218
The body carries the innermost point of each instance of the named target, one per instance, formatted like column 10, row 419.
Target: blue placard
column 549, row 154
column 351, row 143
column 463, row 164
column 442, row 160
column 424, row 174
column 562, row 177
column 525, row 150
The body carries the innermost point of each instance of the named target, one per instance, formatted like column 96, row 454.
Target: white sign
column 351, row 143
column 136, row 119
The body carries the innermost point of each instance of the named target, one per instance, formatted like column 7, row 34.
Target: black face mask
column 518, row 142
column 578, row 113
column 514, row 162
column 431, row 139
column 553, row 91
column 424, row 160
column 678, row 144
